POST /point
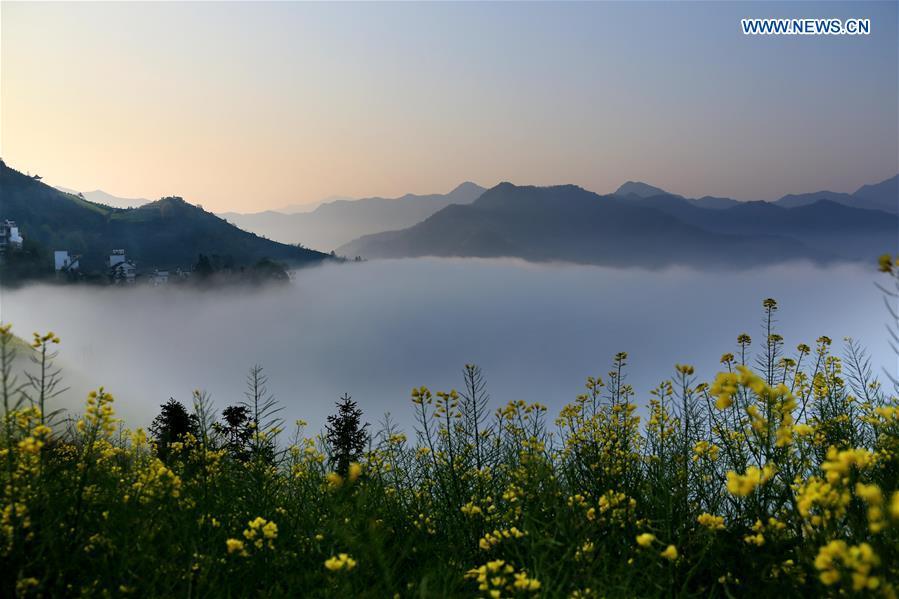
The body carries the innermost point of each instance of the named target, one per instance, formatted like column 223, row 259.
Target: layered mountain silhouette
column 639, row 190
column 828, row 227
column 337, row 222
column 880, row 196
column 309, row 206
column 167, row 233
column 98, row 196
column 637, row 226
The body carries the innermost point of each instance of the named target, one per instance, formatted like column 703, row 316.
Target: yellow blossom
column 341, row 561
column 670, row 553
column 711, row 522
column 235, row 546
column 742, row 485
column 334, row 480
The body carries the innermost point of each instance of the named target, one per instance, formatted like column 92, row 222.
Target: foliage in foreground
column 779, row 476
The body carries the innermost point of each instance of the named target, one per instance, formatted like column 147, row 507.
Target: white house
column 63, row 262
column 9, row 235
column 121, row 270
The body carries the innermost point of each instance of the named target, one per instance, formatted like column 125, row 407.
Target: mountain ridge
column 337, row 222
column 569, row 223
column 877, row 196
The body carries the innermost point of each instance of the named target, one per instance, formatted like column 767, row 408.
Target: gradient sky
column 245, row 107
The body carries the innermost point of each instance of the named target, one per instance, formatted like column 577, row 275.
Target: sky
column 252, row 106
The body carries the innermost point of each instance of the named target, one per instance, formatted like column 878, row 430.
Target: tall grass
column 779, row 476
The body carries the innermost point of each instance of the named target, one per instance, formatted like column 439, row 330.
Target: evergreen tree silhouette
column 347, row 435
column 172, row 425
column 236, row 431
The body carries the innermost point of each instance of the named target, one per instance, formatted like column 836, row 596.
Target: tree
column 268, row 270
column 347, row 435
column 172, row 425
column 203, row 268
column 236, row 431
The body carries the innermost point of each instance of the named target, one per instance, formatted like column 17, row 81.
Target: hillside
column 167, row 233
column 337, row 222
column 567, row 223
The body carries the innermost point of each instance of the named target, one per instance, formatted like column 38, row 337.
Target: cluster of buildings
column 120, row 269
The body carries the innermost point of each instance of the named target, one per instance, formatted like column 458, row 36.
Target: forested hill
column 167, row 233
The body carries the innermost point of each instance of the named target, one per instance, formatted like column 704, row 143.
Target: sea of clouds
column 376, row 329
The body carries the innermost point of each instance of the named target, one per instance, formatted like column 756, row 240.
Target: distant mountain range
column 643, row 225
column 98, row 196
column 337, row 222
column 309, row 207
column 167, row 233
column 879, row 196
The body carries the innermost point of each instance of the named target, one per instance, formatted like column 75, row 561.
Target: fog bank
column 377, row 329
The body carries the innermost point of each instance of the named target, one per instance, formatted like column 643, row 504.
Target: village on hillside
column 118, row 268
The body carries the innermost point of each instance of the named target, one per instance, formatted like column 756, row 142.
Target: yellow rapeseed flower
column 742, row 485
column 235, row 546
column 341, row 561
column 670, row 553
column 334, row 480
column 711, row 521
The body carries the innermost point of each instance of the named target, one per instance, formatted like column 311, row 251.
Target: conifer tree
column 172, row 425
column 347, row 435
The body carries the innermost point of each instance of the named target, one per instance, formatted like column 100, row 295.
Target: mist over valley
column 377, row 329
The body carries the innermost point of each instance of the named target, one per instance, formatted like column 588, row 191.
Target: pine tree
column 236, row 431
column 347, row 435
column 172, row 425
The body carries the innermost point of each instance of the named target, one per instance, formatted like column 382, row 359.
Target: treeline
column 214, row 269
